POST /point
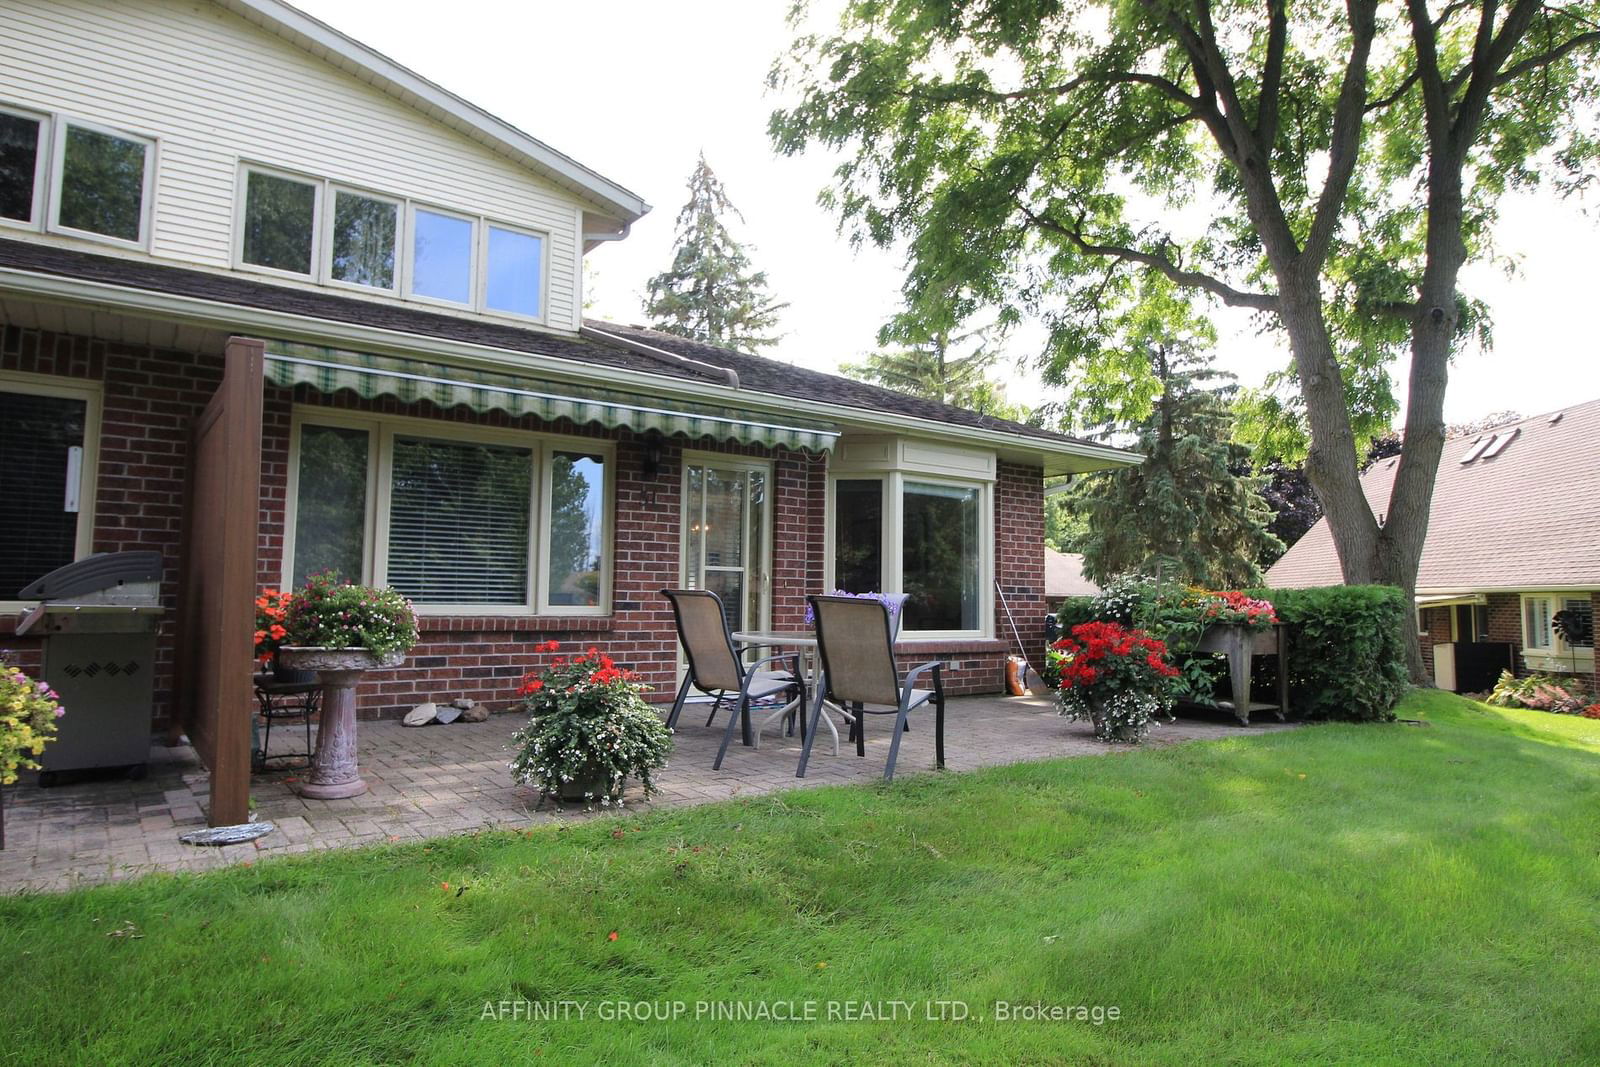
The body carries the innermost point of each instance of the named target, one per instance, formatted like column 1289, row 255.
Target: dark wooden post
column 216, row 599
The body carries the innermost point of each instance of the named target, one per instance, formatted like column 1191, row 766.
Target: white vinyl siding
column 217, row 91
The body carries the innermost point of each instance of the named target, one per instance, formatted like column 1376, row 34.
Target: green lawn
column 1388, row 893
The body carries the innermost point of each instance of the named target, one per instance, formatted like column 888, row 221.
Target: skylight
column 1477, row 449
column 1498, row 445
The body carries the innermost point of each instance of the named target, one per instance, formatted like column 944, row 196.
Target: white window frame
column 1556, row 653
column 147, row 192
column 41, row 167
column 726, row 461
column 474, row 256
column 241, row 198
column 329, row 211
column 894, row 482
column 481, row 270
column 589, row 446
column 92, row 395
column 382, row 431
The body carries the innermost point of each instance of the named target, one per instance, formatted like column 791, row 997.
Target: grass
column 1390, row 893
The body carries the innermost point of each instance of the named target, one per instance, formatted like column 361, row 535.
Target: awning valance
column 328, row 370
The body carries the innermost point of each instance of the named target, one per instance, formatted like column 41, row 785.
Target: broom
column 1021, row 648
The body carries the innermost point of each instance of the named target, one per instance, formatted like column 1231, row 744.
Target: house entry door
column 727, row 539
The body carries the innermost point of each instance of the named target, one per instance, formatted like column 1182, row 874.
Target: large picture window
column 488, row 521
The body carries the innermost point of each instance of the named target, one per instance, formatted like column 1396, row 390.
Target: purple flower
column 60, row 711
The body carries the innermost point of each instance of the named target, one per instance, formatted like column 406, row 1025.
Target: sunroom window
column 450, row 520
column 280, row 222
column 858, row 534
column 940, row 556
column 21, row 164
column 102, row 184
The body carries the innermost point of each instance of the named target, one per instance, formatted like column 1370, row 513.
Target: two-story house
column 191, row 191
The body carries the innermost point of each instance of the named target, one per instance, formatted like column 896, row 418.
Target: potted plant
column 1116, row 677
column 590, row 730
column 272, row 614
column 28, row 714
column 340, row 631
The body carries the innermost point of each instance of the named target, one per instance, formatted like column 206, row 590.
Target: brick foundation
column 151, row 398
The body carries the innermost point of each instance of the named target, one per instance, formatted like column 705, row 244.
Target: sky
column 636, row 90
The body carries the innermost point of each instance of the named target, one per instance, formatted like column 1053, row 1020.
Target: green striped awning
column 328, row 370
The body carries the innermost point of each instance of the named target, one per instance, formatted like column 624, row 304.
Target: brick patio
column 451, row 779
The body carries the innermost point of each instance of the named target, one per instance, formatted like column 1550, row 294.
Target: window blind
column 459, row 522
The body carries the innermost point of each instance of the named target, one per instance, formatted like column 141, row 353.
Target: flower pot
column 310, row 658
column 284, row 676
column 589, row 785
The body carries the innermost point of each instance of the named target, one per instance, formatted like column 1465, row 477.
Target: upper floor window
column 314, row 229
column 22, row 158
column 82, row 180
column 280, row 222
column 441, row 256
column 102, row 183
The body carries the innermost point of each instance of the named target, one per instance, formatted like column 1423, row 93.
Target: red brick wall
column 151, row 398
column 1505, row 623
column 1019, row 559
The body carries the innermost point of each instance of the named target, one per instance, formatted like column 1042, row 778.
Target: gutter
column 240, row 318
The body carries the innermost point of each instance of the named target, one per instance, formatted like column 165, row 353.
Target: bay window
column 1557, row 627
column 920, row 533
column 467, row 520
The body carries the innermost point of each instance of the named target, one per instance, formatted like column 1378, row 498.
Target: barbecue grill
column 98, row 618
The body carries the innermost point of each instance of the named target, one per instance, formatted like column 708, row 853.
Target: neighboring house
column 1063, row 577
column 1513, row 539
column 187, row 187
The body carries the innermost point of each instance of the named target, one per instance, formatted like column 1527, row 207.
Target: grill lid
column 99, row 573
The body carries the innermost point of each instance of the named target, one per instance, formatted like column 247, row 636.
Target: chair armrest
column 920, row 669
column 751, row 668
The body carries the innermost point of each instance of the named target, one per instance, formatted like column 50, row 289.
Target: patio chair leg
column 894, row 744
column 938, row 729
column 716, row 706
column 811, row 734
column 861, row 732
column 677, row 705
column 740, row 713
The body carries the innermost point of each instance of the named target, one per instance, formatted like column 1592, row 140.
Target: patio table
column 806, row 643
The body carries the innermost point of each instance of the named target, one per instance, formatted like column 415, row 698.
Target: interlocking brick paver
column 448, row 779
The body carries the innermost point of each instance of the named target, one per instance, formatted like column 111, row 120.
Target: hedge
column 1346, row 651
column 1347, row 657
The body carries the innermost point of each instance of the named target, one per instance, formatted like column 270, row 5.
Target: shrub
column 28, row 714
column 327, row 614
column 1115, row 677
column 1563, row 695
column 1346, row 649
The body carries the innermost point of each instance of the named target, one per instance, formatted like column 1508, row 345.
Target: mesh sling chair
column 715, row 667
column 854, row 638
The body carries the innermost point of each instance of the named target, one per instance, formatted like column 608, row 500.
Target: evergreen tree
column 711, row 293
column 927, row 366
column 1187, row 509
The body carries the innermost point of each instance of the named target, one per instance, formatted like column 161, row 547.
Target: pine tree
column 1185, row 510
column 711, row 293
column 924, row 353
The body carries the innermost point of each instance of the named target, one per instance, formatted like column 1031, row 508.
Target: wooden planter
column 1241, row 644
column 334, row 772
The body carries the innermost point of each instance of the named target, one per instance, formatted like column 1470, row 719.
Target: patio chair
column 856, row 643
column 716, row 669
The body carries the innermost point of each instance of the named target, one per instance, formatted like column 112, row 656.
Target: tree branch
column 1344, row 147
column 1272, row 75
column 1490, row 51
column 1188, row 278
column 1544, row 59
